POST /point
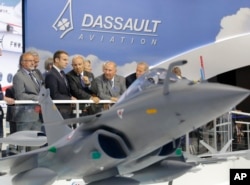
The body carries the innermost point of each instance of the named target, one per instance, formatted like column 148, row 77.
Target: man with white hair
column 110, row 85
column 26, row 86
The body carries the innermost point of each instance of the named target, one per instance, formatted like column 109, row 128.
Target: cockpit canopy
column 150, row 79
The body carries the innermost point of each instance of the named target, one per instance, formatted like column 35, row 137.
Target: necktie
column 109, row 84
column 62, row 73
column 81, row 80
column 112, row 89
column 33, row 78
column 64, row 77
column 1, row 93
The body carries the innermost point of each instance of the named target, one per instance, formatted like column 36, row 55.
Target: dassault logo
column 120, row 24
column 64, row 22
column 109, row 28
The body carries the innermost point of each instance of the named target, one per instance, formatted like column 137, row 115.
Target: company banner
column 130, row 31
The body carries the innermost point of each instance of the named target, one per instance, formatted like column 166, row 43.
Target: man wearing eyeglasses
column 26, row 86
column 36, row 63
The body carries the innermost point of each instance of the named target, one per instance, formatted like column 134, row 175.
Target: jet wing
column 199, row 160
column 85, row 120
column 242, row 153
column 21, row 162
column 25, row 138
column 163, row 171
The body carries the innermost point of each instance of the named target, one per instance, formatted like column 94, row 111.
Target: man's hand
column 114, row 99
column 95, row 99
column 86, row 80
column 9, row 101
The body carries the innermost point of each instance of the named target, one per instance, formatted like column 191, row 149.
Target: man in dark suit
column 8, row 101
column 141, row 68
column 177, row 71
column 27, row 87
column 58, row 84
column 9, row 92
column 110, row 85
column 81, row 84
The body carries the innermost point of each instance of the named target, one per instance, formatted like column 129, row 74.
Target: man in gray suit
column 26, row 87
column 36, row 63
column 110, row 85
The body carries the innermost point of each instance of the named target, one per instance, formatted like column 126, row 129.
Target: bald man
column 141, row 68
column 81, row 84
column 110, row 85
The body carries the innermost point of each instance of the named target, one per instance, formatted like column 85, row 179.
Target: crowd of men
column 78, row 84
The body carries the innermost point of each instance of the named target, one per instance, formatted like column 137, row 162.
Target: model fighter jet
column 131, row 143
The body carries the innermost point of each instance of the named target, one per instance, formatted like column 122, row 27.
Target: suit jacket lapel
column 30, row 81
column 61, row 79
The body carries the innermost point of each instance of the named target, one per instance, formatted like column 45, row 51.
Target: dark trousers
column 1, row 122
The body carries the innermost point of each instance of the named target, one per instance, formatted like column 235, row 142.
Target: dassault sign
column 119, row 24
column 157, row 32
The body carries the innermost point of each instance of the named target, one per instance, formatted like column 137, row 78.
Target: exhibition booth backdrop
column 212, row 33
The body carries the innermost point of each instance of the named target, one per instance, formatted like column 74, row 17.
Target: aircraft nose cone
column 221, row 95
column 207, row 101
column 231, row 91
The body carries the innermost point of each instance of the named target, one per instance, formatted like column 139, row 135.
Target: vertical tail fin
column 202, row 70
column 51, row 114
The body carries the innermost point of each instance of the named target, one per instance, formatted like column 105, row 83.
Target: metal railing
column 220, row 133
column 76, row 102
